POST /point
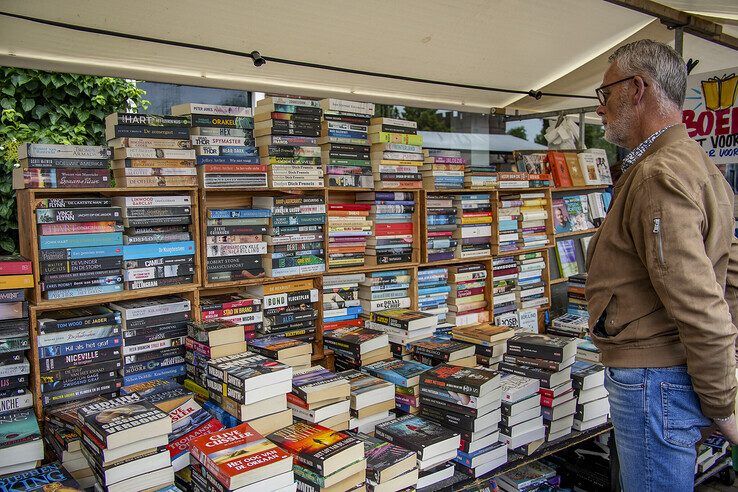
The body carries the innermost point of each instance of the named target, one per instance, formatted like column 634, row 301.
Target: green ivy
column 46, row 107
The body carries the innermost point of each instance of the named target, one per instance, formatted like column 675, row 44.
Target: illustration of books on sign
column 720, row 92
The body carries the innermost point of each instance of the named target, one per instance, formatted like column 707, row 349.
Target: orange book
column 559, row 169
column 575, row 171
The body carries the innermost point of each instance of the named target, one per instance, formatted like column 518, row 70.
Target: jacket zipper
column 659, row 243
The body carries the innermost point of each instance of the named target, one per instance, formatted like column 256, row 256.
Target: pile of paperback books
column 62, row 166
column 322, row 397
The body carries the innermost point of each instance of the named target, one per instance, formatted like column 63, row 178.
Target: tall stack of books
column 392, row 217
column 569, row 325
column 441, row 228
column 349, row 227
column 161, row 258
column 434, row 445
column 490, row 342
column 392, row 141
column 548, row 359
column 435, row 351
column 522, row 422
column 504, row 290
column 357, row 346
column 62, row 166
column 80, row 354
column 385, row 290
column 512, row 179
column 16, row 274
column 532, row 476
column 240, row 458
column 290, row 309
column 235, row 243
column 575, row 295
column 443, row 169
column 403, row 327
column 531, row 288
column 21, row 446
column 372, row 400
column 433, row 294
column 508, row 214
column 241, row 309
column 321, row 397
column 121, row 443
column 482, row 173
column 282, row 133
column 290, row 352
column 149, row 136
column 388, row 467
column 466, row 401
column 209, row 340
column 530, row 212
column 345, row 143
column 80, row 244
column 323, row 458
column 474, row 215
column 159, row 320
column 405, row 375
column 593, row 407
column 62, row 434
column 296, row 231
column 341, row 303
column 223, row 139
column 468, row 297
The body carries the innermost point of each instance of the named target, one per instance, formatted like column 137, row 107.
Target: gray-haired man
column 662, row 280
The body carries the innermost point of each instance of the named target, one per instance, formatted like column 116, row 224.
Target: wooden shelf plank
column 576, row 233
column 580, row 188
column 83, row 301
column 115, row 191
column 559, row 280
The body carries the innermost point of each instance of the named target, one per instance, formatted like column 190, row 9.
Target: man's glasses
column 603, row 95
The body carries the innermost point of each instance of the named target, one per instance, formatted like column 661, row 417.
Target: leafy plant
column 47, row 107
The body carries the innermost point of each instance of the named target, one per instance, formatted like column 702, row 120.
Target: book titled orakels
column 426, row 438
column 44, row 478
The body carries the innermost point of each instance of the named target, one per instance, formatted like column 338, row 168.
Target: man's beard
column 617, row 130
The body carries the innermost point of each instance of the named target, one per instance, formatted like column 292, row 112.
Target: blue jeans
column 657, row 420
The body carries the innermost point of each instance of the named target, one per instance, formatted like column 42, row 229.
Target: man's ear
column 640, row 91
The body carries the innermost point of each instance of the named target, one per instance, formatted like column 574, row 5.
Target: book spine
column 83, row 291
column 79, row 347
column 15, row 268
column 141, row 251
column 51, row 163
column 83, row 265
column 80, row 359
column 80, row 240
column 145, row 131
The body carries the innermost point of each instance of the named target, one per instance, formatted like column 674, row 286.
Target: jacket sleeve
column 670, row 228
column 731, row 285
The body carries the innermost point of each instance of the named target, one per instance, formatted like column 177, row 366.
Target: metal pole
column 679, row 40
column 581, row 130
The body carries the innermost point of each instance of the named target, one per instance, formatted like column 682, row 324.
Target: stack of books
column 531, row 219
column 235, row 243
column 380, row 291
column 162, row 258
column 209, row 340
column 575, row 294
column 467, row 301
column 504, row 290
column 21, row 445
column 295, row 234
column 522, row 422
column 236, row 308
column 321, row 397
column 345, row 143
column 341, row 303
column 160, row 321
column 392, row 217
column 80, row 354
column 62, row 435
column 16, row 274
column 405, row 375
column 508, row 213
column 136, row 136
column 593, row 407
column 355, row 347
column 587, row 351
column 372, row 401
column 443, row 169
column 441, row 227
column 121, row 439
column 435, row 446
column 532, row 476
column 512, row 180
column 349, row 227
column 433, row 294
column 474, row 216
column 388, row 467
column 323, row 458
column 569, row 325
column 709, row 452
column 531, row 288
column 290, row 309
column 223, row 139
column 537, row 167
column 435, row 351
column 490, row 342
column 289, row 351
column 482, row 173
column 403, row 327
column 62, row 166
column 466, row 401
column 287, row 141
column 549, row 360
column 80, row 244
column 397, row 154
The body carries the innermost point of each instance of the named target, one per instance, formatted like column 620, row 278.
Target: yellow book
column 392, row 162
column 385, row 137
column 476, row 220
column 16, row 281
column 532, row 202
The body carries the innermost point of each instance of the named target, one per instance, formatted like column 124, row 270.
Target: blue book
column 239, row 213
column 162, row 373
column 227, row 159
column 340, row 318
column 80, row 240
column 79, row 347
column 87, row 252
column 142, row 251
column 223, row 417
column 434, row 290
column 508, row 225
column 389, row 273
column 479, row 196
column 52, row 476
column 20, row 427
column 399, row 372
column 83, row 291
column 466, row 458
column 347, row 134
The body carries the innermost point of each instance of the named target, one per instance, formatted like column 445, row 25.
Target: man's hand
column 728, row 428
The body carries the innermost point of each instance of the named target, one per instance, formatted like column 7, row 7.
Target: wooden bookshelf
column 580, row 188
column 576, row 233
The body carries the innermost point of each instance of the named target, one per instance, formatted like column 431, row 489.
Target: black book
column 469, row 381
column 448, row 419
column 71, row 382
column 444, row 350
column 143, row 131
column 178, row 351
column 79, row 392
column 137, row 212
column 541, row 346
column 72, row 319
column 91, row 214
column 417, row 434
column 157, row 262
column 85, row 265
column 52, row 163
column 225, row 121
column 74, row 276
column 236, row 230
column 81, row 359
column 80, row 371
column 14, row 295
column 229, row 263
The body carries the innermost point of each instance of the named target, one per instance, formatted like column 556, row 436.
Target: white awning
column 477, row 141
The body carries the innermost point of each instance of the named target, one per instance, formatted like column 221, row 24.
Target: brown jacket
column 661, row 269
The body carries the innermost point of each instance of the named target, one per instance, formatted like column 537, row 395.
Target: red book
column 240, row 456
column 559, row 170
column 15, row 265
column 350, row 206
column 78, row 228
column 343, row 324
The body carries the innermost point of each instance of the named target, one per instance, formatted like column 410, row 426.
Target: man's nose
column 600, row 110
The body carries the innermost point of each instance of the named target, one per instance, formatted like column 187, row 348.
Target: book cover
column 313, row 444
column 578, row 217
column 566, row 254
column 399, row 372
column 542, row 346
column 49, row 477
column 18, row 427
column 381, row 455
column 562, row 222
column 314, row 379
column 414, row 433
column 119, row 415
column 440, row 348
column 465, row 380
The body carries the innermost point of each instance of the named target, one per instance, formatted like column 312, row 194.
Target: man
column 662, row 280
